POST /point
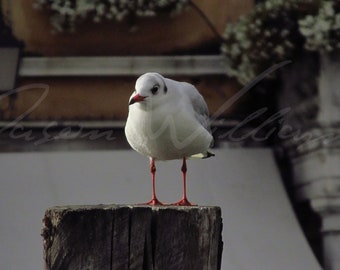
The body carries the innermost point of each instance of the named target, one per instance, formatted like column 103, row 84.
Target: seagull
column 168, row 120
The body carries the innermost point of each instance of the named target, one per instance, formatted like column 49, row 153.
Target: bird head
column 149, row 88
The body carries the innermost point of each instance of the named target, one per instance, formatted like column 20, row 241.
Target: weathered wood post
column 132, row 237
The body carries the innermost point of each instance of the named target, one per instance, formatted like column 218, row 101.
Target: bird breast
column 164, row 136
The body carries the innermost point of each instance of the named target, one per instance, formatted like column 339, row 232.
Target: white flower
column 328, row 9
column 239, row 35
column 307, row 21
column 322, row 26
column 268, row 5
column 100, row 9
column 280, row 50
column 235, row 50
column 246, row 44
column 70, row 12
column 337, row 21
column 267, row 33
column 284, row 33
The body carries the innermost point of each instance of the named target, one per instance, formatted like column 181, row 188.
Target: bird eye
column 154, row 89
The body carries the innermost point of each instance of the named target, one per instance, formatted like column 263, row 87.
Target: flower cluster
column 275, row 30
column 322, row 31
column 67, row 13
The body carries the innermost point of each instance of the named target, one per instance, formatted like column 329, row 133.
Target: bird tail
column 203, row 155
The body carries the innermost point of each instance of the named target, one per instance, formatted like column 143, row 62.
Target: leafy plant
column 276, row 30
column 66, row 14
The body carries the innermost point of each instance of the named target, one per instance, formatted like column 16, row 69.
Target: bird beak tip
column 136, row 98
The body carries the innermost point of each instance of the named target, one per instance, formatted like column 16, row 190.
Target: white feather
column 171, row 124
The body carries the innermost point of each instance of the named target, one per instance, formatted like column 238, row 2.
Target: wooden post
column 122, row 237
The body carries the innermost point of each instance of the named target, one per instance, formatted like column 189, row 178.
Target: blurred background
column 269, row 72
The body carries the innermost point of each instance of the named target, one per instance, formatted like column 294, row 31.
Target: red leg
column 184, row 201
column 154, row 200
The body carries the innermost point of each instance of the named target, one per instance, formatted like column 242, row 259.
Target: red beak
column 136, row 98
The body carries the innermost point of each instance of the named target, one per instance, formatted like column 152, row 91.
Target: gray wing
column 199, row 106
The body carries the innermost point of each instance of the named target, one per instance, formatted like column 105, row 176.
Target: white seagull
column 168, row 120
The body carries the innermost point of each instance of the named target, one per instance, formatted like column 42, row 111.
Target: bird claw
column 183, row 202
column 154, row 202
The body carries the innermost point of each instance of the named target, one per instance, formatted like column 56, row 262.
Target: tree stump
column 126, row 237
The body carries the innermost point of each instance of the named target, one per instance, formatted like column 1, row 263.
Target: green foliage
column 276, row 30
column 66, row 14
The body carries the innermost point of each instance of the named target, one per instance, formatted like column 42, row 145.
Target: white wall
column 260, row 231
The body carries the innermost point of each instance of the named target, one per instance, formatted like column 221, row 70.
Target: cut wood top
column 132, row 237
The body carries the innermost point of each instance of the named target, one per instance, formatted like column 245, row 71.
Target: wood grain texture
column 132, row 237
